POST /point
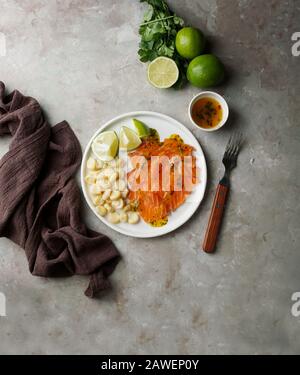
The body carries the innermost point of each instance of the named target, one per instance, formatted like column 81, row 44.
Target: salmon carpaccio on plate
column 172, row 173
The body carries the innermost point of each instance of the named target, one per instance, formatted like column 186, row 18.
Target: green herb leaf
column 149, row 13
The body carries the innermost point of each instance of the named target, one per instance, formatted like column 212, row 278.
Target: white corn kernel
column 100, row 163
column 102, row 211
column 125, row 193
column 90, row 180
column 96, row 199
column 108, row 207
column 118, row 204
column 123, row 217
column 101, row 175
column 94, row 173
column 106, row 194
column 91, row 164
column 115, row 186
column 113, row 218
column 113, row 177
column 103, row 183
column 133, row 218
column 108, row 172
column 95, row 189
column 127, row 208
column 115, row 195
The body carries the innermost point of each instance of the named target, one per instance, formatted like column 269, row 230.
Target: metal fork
column 230, row 162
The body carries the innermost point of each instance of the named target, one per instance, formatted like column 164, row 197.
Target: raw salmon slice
column 155, row 206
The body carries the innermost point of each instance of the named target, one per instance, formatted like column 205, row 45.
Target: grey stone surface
column 79, row 58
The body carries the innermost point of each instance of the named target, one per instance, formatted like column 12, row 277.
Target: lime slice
column 129, row 140
column 141, row 128
column 163, row 72
column 105, row 146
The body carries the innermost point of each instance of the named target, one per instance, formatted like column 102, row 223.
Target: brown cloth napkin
column 40, row 200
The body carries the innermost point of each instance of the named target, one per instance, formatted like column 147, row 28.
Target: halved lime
column 163, row 72
column 105, row 146
column 129, row 139
column 141, row 128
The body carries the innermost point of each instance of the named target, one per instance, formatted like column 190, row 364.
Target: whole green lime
column 190, row 42
column 205, row 71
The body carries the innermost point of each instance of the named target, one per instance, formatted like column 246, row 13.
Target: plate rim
column 88, row 147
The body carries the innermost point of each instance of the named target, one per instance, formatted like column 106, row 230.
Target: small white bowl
column 220, row 99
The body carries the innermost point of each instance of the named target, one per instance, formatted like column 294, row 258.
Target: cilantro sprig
column 158, row 32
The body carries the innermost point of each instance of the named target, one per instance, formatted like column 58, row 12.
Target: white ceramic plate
column 165, row 126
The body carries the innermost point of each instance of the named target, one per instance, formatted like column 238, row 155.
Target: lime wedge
column 163, row 72
column 141, row 128
column 129, row 140
column 105, row 146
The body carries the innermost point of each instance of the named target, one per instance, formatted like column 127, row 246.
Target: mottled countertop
column 79, row 59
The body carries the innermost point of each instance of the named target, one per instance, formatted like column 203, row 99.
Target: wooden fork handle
column 215, row 219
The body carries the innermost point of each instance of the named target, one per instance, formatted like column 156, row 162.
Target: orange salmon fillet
column 157, row 205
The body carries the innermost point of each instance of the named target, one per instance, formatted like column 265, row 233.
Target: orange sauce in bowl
column 207, row 113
